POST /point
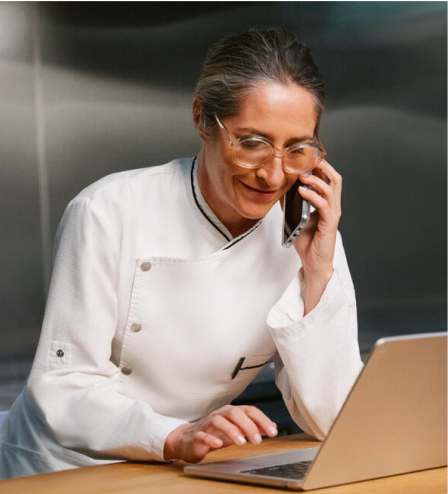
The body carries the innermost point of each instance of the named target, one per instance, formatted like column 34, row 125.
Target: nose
column 272, row 172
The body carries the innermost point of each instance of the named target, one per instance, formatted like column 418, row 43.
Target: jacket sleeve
column 318, row 357
column 73, row 381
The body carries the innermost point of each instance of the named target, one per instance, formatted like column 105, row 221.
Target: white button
column 126, row 370
column 145, row 266
column 136, row 327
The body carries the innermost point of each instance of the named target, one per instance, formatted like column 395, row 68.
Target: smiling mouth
column 266, row 192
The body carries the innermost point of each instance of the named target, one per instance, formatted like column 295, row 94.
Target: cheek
column 230, row 171
column 220, row 161
column 241, row 175
column 227, row 156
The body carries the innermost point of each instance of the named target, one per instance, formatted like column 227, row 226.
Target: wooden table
column 144, row 478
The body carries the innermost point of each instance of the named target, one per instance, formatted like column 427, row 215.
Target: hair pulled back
column 239, row 62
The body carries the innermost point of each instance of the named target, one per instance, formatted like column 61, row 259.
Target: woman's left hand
column 316, row 244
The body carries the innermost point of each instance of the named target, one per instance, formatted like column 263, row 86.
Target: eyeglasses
column 254, row 152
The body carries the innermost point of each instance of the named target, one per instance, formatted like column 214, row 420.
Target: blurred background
column 88, row 89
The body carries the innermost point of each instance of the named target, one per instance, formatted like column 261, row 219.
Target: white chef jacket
column 156, row 316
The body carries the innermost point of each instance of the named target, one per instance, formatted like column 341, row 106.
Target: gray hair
column 238, row 63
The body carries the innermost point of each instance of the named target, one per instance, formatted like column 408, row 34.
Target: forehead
column 277, row 109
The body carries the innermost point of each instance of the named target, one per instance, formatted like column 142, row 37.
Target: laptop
column 393, row 421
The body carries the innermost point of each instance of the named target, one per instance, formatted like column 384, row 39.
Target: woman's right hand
column 223, row 427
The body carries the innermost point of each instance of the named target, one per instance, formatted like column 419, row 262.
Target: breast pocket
column 245, row 371
column 250, row 366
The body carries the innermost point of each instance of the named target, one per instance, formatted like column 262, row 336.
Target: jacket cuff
column 161, row 430
column 288, row 311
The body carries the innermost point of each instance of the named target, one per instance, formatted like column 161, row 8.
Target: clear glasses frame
column 236, row 142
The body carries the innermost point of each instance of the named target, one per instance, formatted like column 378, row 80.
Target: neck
column 238, row 228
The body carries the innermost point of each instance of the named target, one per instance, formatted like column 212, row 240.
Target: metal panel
column 21, row 277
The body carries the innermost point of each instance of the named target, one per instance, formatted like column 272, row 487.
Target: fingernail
column 217, row 442
column 272, row 431
column 257, row 439
column 240, row 439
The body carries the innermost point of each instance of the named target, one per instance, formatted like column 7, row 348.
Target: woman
column 171, row 289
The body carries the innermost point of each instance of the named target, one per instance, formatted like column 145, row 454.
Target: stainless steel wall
column 92, row 88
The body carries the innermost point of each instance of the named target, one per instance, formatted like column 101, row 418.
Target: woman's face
column 283, row 115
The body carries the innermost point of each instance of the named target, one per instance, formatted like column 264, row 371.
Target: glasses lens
column 252, row 153
column 302, row 158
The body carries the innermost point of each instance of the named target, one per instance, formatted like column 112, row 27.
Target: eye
column 298, row 151
column 252, row 144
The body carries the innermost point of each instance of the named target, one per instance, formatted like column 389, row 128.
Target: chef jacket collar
column 209, row 215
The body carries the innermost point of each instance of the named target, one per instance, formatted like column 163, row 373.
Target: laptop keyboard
column 288, row 470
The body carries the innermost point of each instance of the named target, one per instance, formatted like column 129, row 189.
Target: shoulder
column 132, row 183
column 118, row 199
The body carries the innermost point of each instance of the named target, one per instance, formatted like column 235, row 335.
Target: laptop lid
column 394, row 419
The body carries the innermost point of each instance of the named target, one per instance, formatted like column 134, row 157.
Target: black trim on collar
column 199, row 206
column 241, row 238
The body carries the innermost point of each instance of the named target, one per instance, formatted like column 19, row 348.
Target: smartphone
column 296, row 214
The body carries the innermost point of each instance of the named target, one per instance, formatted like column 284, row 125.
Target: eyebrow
column 292, row 140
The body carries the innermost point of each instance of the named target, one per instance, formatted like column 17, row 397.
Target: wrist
column 171, row 447
column 317, row 278
column 315, row 286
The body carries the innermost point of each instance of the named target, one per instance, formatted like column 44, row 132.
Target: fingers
column 209, row 440
column 329, row 209
column 332, row 177
column 324, row 179
column 224, row 426
column 329, row 172
column 318, row 201
column 263, row 423
column 326, row 190
column 238, row 422
column 318, row 184
column 200, row 446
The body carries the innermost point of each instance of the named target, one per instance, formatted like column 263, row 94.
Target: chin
column 255, row 211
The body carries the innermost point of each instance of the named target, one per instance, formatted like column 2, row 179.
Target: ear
column 198, row 120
